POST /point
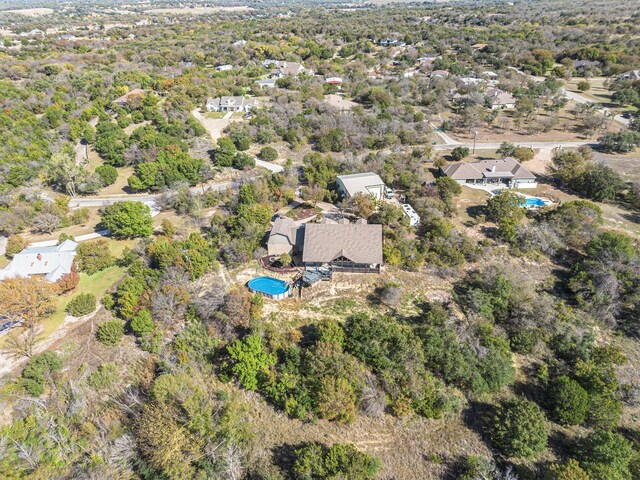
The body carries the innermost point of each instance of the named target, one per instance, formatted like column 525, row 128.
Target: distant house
column 285, row 237
column 49, row 262
column 505, row 171
column 479, row 46
column 125, row 99
column 231, row 104
column 500, row 100
column 439, row 74
column 270, row 83
column 344, row 247
column 366, row 183
column 224, row 68
column 65, row 37
column 283, row 68
column 333, row 80
column 391, row 42
column 240, row 43
column 586, row 64
column 630, row 75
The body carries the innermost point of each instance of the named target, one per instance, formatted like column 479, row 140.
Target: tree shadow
column 284, row 456
column 476, row 211
column 561, row 443
column 632, row 217
column 479, row 418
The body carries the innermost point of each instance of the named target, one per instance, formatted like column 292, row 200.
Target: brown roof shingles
column 324, row 243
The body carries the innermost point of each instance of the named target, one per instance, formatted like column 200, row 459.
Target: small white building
column 333, row 80
column 50, row 262
column 366, row 183
column 414, row 218
column 231, row 104
column 224, row 68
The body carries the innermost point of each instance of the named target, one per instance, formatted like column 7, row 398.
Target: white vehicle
column 414, row 218
column 388, row 192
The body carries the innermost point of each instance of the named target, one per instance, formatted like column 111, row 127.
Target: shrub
column 570, row 470
column 605, row 455
column 268, row 154
column 82, row 304
column 243, row 160
column 108, row 174
column 604, row 412
column 15, row 244
column 523, row 154
column 519, row 429
column 459, row 153
column 111, row 332
column 69, row 281
column 35, row 373
column 142, row 323
column 316, row 461
column 568, row 401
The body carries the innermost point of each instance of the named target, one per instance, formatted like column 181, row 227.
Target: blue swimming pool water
column 534, row 202
column 269, row 285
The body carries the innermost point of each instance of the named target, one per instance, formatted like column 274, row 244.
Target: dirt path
column 8, row 363
column 409, row 448
column 214, row 126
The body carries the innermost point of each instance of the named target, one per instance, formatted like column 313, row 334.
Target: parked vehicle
column 388, row 192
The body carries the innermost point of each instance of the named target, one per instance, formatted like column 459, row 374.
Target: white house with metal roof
column 368, row 183
column 50, row 262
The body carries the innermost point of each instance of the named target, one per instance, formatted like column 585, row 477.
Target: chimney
column 493, row 168
column 39, row 257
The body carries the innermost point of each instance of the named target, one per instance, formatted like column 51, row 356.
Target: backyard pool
column 534, row 202
column 269, row 287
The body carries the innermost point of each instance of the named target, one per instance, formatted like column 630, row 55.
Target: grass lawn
column 214, row 115
column 98, row 284
column 303, row 211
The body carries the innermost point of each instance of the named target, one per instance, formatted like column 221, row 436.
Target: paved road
column 576, row 97
column 147, row 199
column 534, row 145
column 272, row 167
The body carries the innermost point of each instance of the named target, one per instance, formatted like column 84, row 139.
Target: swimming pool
column 534, row 202
column 269, row 287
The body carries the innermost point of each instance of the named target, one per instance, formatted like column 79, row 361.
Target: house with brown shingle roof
column 503, row 171
column 285, row 237
column 344, row 247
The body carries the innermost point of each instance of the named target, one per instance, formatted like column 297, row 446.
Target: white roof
column 359, row 182
column 52, row 262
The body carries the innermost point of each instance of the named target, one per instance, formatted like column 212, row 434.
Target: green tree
column 568, row 401
column 38, row 371
column 250, row 361
column 268, row 154
column 318, row 462
column 505, row 205
column 570, row 470
column 519, row 429
column 108, row 174
column 94, row 256
column 605, row 456
column 127, row 219
column 459, row 153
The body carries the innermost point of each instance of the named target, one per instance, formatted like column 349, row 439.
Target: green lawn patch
column 303, row 211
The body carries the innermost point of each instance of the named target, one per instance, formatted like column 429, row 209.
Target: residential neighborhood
column 320, row 240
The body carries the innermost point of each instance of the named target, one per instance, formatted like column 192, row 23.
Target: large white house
column 231, row 104
column 504, row 171
column 366, row 183
column 50, row 262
